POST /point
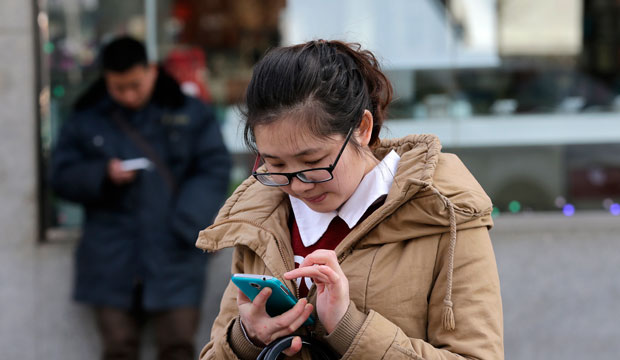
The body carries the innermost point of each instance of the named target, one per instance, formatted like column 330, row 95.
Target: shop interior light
column 568, row 210
column 514, row 206
column 49, row 47
column 59, row 91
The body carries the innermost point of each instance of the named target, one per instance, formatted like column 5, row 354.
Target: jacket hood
column 427, row 184
column 425, row 179
column 167, row 93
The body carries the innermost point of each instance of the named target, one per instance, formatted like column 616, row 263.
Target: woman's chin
column 323, row 206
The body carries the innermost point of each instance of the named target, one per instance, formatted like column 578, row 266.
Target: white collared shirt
column 376, row 184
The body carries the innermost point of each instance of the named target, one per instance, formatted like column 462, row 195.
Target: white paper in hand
column 136, row 164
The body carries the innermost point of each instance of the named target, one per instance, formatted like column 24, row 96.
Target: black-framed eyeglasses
column 310, row 176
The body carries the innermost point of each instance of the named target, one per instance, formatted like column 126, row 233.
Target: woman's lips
column 316, row 199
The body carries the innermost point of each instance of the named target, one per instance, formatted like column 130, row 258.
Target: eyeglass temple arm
column 346, row 140
column 256, row 163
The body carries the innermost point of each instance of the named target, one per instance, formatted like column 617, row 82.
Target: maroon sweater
column 336, row 231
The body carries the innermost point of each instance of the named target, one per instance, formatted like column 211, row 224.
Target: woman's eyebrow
column 308, row 152
column 301, row 153
column 263, row 155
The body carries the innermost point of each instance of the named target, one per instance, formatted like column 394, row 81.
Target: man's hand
column 117, row 175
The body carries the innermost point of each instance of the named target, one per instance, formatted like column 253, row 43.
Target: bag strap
column 318, row 349
column 147, row 149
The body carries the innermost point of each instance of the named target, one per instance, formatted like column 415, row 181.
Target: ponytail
column 378, row 86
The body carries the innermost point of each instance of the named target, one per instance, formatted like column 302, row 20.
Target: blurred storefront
column 209, row 46
column 526, row 92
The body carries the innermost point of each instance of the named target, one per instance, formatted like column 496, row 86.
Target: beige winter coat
column 421, row 269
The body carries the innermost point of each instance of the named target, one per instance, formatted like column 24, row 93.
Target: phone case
column 281, row 298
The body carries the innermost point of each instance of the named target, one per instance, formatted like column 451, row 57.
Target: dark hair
column 325, row 84
column 123, row 53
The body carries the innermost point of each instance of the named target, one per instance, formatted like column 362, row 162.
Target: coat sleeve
column 75, row 174
column 204, row 190
column 477, row 310
column 226, row 326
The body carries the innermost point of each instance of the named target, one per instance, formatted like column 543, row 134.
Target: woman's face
column 288, row 147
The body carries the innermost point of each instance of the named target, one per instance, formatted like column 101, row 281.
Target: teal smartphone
column 281, row 298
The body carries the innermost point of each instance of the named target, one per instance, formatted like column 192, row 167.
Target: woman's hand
column 262, row 328
column 331, row 284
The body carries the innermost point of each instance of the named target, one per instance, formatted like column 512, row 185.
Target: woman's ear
column 364, row 131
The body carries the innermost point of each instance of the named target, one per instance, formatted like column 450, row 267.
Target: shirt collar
column 312, row 225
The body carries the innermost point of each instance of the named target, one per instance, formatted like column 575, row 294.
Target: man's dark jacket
column 143, row 232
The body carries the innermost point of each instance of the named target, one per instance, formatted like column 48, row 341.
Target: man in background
column 150, row 168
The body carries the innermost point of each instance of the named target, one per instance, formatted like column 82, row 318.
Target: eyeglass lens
column 308, row 176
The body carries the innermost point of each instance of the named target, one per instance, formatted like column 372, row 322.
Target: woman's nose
column 299, row 186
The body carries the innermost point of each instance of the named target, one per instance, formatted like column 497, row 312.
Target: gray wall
column 560, row 286
column 17, row 180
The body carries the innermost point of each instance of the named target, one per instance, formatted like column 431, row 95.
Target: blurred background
column 526, row 92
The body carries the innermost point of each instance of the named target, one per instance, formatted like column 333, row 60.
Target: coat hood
column 427, row 185
column 425, row 181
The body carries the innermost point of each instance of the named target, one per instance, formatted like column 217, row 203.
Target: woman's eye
column 314, row 162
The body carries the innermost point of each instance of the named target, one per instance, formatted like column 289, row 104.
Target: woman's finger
column 295, row 347
column 329, row 273
column 242, row 298
column 286, row 323
column 321, row 257
column 284, row 320
column 296, row 324
column 316, row 276
column 321, row 273
column 260, row 300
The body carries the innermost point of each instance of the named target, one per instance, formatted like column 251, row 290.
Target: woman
column 386, row 239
